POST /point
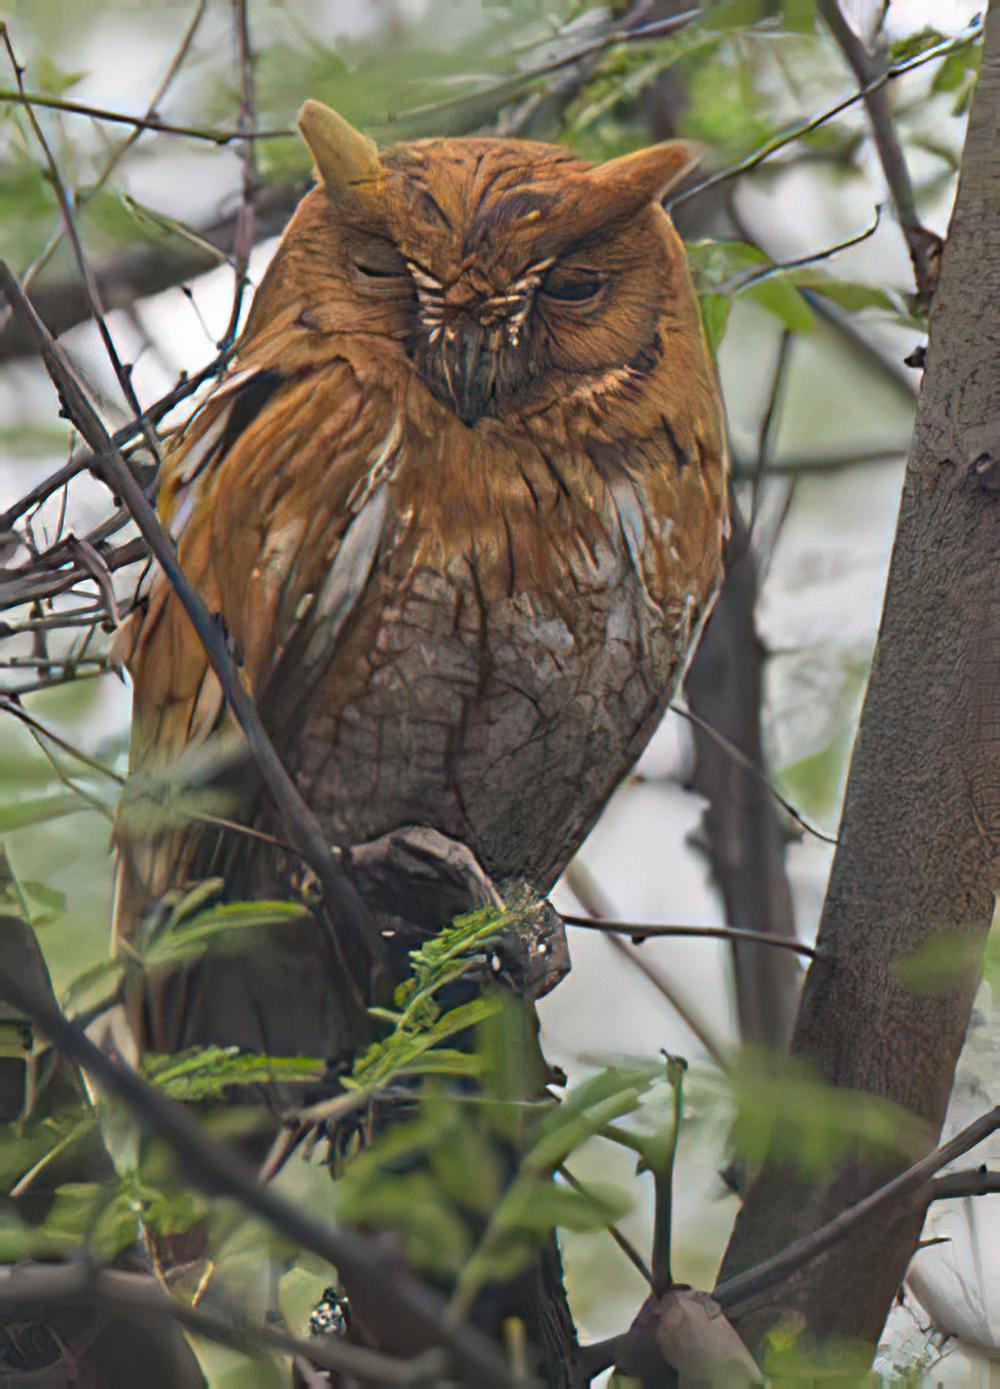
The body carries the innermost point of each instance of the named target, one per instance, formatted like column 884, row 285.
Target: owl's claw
column 417, row 879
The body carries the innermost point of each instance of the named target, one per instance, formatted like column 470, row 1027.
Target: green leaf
column 48, row 77
column 47, row 896
column 946, row 961
column 410, row 1204
column 540, row 1208
column 24, row 1147
column 194, row 936
column 784, row 1109
column 83, row 1215
column 202, row 1073
column 912, row 45
column 465, row 1162
column 78, row 988
column 17, row 815
column 799, row 16
column 784, row 301
column 715, row 316
column 853, row 295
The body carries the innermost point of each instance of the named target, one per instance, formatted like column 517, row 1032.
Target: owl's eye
column 572, row 286
column 380, row 266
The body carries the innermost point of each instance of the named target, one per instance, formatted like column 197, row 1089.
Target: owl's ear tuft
column 347, row 161
column 646, row 176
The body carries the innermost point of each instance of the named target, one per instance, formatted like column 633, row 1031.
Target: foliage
column 466, row 1175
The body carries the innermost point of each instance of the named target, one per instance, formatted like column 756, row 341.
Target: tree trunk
column 743, row 837
column 918, row 853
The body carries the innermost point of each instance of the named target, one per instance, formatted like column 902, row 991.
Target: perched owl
column 459, row 503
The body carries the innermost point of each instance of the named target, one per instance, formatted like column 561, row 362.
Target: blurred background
column 820, row 407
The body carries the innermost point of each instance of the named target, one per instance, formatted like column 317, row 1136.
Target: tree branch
column 924, row 246
column 640, row 931
column 795, row 132
column 734, row 1293
column 955, row 1185
column 219, row 1173
column 133, row 1295
column 302, row 826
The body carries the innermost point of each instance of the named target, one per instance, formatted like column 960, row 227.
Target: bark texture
column 919, row 839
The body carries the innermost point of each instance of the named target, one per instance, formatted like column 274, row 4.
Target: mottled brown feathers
column 460, row 504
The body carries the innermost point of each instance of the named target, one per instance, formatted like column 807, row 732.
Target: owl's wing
column 277, row 495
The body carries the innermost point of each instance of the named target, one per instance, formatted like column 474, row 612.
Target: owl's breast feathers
column 435, row 620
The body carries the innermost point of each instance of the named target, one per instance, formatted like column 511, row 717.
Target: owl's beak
column 471, row 372
column 469, row 368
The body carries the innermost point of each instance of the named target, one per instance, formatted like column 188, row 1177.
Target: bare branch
column 302, row 826
column 122, row 373
column 214, row 136
column 734, row 1293
column 84, row 195
column 639, row 931
column 954, row 1185
column 588, row 895
column 742, row 760
column 924, row 246
column 131, row 1294
column 623, row 1243
column 243, row 238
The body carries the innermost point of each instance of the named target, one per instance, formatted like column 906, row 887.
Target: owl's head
column 498, row 264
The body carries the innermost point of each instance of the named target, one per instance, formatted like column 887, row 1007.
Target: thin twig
column 10, row 706
column 215, row 1170
column 667, row 990
column 742, row 760
column 84, row 195
column 923, row 245
column 84, row 460
column 795, row 132
column 638, row 931
column 122, row 373
column 663, row 1185
column 101, row 113
column 621, row 34
column 300, row 822
column 768, row 424
column 622, row 1241
column 757, row 275
column 915, row 1182
column 585, row 890
column 243, row 236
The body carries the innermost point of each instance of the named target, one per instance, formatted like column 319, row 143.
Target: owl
column 458, row 503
